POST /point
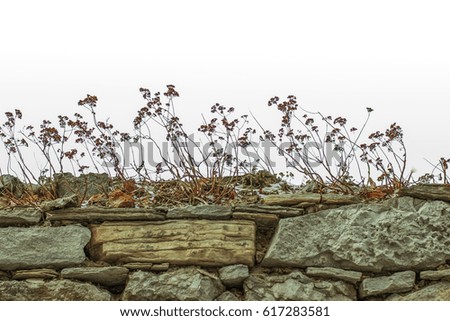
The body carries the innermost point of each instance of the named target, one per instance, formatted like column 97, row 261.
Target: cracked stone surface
column 405, row 234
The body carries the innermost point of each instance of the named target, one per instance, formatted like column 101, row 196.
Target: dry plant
column 197, row 180
column 328, row 151
column 442, row 176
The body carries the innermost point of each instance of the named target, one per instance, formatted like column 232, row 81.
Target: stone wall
column 303, row 246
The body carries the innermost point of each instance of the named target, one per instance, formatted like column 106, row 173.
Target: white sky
column 337, row 57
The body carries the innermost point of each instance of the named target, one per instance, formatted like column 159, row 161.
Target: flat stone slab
column 261, row 219
column 207, row 212
column 429, row 192
column 333, row 273
column 298, row 198
column 295, row 286
column 147, row 266
column 107, row 276
column 35, row 274
column 19, row 216
column 180, row 242
column 395, row 283
column 435, row 292
column 365, row 237
column 184, row 284
column 291, row 199
column 435, row 275
column 54, row 290
column 42, row 247
column 280, row 211
column 98, row 214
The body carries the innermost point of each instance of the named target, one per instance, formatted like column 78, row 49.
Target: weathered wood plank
column 177, row 242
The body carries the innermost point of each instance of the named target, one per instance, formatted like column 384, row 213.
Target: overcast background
column 337, row 57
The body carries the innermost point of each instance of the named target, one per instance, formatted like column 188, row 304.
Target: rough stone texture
column 227, row 296
column 372, row 237
column 436, row 292
column 147, row 266
column 405, row 203
column 35, row 274
column 319, row 207
column 99, row 214
column 55, row 290
column 261, row 219
column 59, row 203
column 208, row 212
column 85, row 185
column 107, row 276
column 295, row 287
column 294, row 199
column 42, row 247
column 280, row 211
column 19, row 216
column 160, row 267
column 233, row 275
column 184, row 284
column 436, row 275
column 10, row 185
column 429, row 192
column 333, row 273
column 395, row 283
column 183, row 242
